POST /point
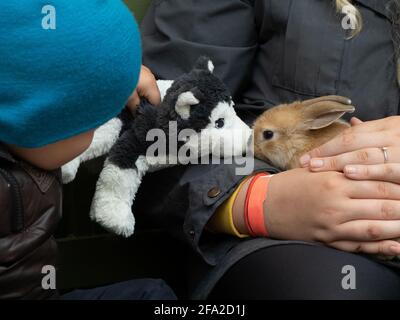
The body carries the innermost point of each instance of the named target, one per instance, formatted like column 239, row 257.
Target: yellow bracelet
column 222, row 220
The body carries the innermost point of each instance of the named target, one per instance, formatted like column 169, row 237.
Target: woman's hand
column 326, row 207
column 146, row 88
column 360, row 144
column 389, row 172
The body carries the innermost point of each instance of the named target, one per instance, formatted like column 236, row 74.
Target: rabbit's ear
column 338, row 99
column 322, row 112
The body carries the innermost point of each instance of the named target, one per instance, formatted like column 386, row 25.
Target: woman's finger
column 389, row 172
column 389, row 123
column 369, row 126
column 348, row 141
column 370, row 209
column 362, row 156
column 355, row 121
column 367, row 230
column 385, row 248
column 373, row 190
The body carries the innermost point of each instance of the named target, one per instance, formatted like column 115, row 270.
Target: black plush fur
column 132, row 141
column 206, row 87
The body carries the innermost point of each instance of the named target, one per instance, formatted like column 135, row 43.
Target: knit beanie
column 66, row 67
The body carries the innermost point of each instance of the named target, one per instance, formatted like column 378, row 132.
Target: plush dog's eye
column 220, row 123
column 268, row 134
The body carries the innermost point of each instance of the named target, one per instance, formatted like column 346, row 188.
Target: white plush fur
column 228, row 141
column 114, row 196
column 183, row 104
column 158, row 163
column 210, row 66
column 104, row 138
column 163, row 86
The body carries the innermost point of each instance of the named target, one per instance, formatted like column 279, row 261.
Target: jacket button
column 192, row 233
column 214, row 192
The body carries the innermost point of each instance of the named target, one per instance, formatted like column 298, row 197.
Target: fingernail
column 395, row 249
column 317, row 163
column 350, row 170
column 305, row 160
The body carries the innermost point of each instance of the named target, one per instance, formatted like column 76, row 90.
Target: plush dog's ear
column 183, row 104
column 321, row 112
column 204, row 63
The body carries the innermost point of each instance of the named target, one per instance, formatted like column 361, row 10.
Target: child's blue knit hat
column 66, row 66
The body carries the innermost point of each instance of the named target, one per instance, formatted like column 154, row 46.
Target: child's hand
column 146, row 88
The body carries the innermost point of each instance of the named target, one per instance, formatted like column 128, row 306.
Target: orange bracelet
column 254, row 205
column 246, row 203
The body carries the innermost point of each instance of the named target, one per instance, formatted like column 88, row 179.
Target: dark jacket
column 30, row 209
column 268, row 52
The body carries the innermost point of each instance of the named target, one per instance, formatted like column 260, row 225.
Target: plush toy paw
column 113, row 214
column 112, row 201
column 70, row 170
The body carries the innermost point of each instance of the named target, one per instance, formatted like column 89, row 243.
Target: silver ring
column 385, row 154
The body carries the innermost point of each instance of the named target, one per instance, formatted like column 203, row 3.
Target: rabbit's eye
column 220, row 123
column 268, row 134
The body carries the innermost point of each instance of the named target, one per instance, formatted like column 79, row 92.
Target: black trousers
column 140, row 289
column 307, row 272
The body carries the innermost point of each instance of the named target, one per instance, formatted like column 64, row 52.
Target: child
column 57, row 85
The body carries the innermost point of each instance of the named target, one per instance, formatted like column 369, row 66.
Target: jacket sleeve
column 182, row 199
column 30, row 209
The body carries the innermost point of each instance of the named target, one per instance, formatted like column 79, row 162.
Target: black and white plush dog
column 196, row 115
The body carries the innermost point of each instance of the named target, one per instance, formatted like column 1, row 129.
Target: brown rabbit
column 284, row 133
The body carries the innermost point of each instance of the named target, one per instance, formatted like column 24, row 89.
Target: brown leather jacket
column 30, row 209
